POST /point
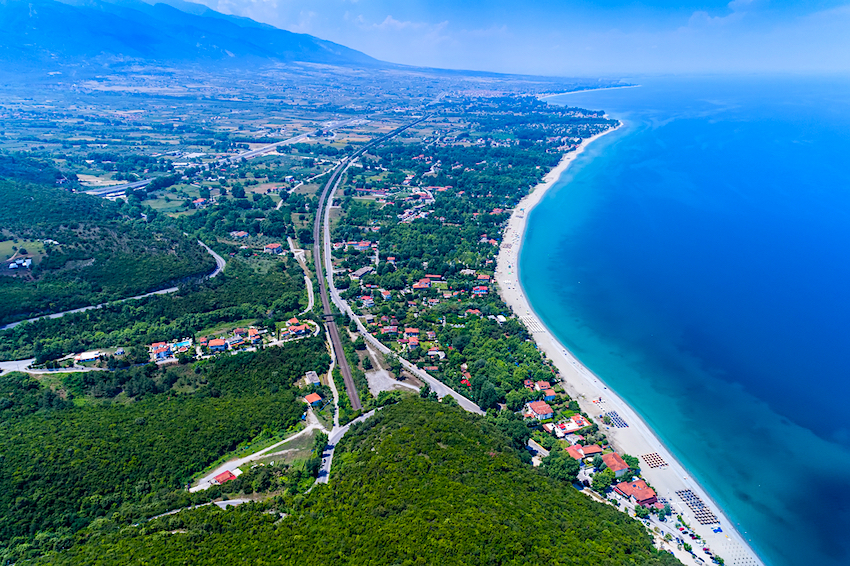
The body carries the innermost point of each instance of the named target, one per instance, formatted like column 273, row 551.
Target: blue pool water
column 698, row 260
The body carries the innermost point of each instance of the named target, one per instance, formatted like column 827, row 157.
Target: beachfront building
column 637, row 491
column 616, row 464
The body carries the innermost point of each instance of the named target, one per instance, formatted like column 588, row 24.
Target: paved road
column 301, row 257
column 219, row 266
column 323, row 220
column 207, row 481
column 260, row 150
column 440, row 388
column 115, row 189
column 333, row 439
column 219, row 261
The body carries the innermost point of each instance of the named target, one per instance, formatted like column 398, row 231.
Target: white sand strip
column 637, row 439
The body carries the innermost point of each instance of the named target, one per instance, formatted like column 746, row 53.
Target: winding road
column 219, row 266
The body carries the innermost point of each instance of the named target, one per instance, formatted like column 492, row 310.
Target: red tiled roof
column 550, row 393
column 637, row 489
column 224, row 476
column 591, row 450
column 614, row 462
column 540, row 408
column 575, row 452
column 312, row 398
column 216, row 342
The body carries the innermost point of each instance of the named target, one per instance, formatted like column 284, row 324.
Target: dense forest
column 239, row 293
column 419, row 483
column 95, row 250
column 120, row 445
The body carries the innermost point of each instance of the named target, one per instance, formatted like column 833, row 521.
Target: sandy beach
column 596, row 399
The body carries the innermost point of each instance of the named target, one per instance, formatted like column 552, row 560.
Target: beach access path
column 595, row 398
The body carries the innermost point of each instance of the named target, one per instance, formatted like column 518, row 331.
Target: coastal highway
column 440, row 388
column 324, row 204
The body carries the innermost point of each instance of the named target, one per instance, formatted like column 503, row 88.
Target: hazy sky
column 575, row 37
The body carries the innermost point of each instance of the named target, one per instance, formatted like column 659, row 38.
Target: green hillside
column 421, row 483
column 120, row 446
column 103, row 251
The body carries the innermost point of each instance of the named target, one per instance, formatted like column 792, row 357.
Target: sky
column 576, row 37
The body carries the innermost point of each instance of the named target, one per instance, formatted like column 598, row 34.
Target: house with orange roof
column 224, row 477
column 273, row 249
column 581, row 452
column 313, row 399
column 637, row 491
column 540, row 410
column 616, row 464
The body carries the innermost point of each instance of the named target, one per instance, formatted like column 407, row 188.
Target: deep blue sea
column 698, row 261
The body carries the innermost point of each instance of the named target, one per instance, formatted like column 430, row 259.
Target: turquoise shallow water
column 698, row 260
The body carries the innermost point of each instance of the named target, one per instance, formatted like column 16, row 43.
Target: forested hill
column 420, row 483
column 85, row 250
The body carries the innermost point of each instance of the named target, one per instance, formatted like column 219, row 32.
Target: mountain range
column 50, row 32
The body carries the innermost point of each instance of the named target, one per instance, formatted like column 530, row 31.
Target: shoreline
column 544, row 96
column 586, row 388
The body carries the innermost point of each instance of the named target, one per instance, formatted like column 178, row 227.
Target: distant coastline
column 583, row 385
column 544, row 96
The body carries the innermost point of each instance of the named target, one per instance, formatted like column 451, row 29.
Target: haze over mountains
column 46, row 31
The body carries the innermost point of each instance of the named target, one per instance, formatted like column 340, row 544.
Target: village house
column 637, row 491
column 87, row 357
column 275, row 249
column 480, row 290
column 361, row 272
column 162, row 352
column 549, row 395
column 217, row 345
column 616, row 464
column 312, row 378
column 313, row 399
column 540, row 410
column 542, row 386
column 581, row 452
column 225, row 476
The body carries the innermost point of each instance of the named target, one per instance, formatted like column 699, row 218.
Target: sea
column 698, row 261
